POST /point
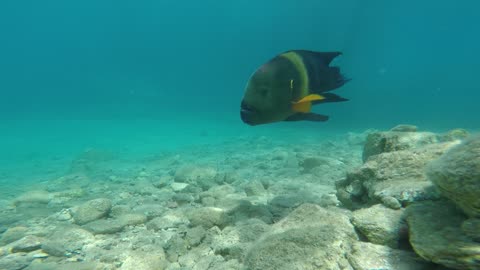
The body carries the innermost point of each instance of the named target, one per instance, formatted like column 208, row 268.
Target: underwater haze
column 99, row 96
column 410, row 61
column 186, row 64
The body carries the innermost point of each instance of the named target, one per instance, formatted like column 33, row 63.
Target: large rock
column 457, row 175
column 381, row 225
column 311, row 237
column 368, row 256
column 399, row 175
column 92, row 210
column 396, row 140
column 436, row 235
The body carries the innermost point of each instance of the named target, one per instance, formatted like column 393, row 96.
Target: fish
column 286, row 87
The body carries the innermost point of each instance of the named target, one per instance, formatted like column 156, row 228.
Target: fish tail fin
column 322, row 77
column 337, row 79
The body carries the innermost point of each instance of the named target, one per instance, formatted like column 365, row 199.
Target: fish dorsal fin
column 327, row 57
column 322, row 57
column 304, row 105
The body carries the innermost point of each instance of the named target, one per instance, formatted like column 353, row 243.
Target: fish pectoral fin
column 307, row 117
column 311, row 97
column 304, row 105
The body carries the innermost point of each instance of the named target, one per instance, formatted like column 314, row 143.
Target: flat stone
column 207, row 217
column 15, row 261
column 254, row 188
column 381, row 225
column 178, row 186
column 132, row 219
column 201, row 176
column 404, row 128
column 13, row 234
column 110, row 226
column 368, row 256
column 183, row 198
column 391, row 202
column 195, row 236
column 168, row 221
column 119, row 210
column 154, row 260
column 65, row 240
column 235, row 241
column 27, row 244
column 151, row 211
column 38, row 265
column 33, row 197
column 92, row 210
column 104, row 226
column 454, row 134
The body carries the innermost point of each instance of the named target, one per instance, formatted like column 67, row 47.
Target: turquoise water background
column 144, row 76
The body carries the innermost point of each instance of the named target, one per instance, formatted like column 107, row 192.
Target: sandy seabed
column 248, row 201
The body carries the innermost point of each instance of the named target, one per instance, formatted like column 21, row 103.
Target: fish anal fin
column 307, row 117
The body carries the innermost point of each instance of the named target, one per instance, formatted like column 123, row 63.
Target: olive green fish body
column 285, row 88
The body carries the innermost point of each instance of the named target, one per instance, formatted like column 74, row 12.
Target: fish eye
column 263, row 91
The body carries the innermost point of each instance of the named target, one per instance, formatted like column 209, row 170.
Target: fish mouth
column 246, row 113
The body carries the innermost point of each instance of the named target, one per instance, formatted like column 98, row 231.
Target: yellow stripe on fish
column 297, row 61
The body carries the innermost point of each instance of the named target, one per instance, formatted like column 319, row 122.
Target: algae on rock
column 436, row 235
column 457, row 175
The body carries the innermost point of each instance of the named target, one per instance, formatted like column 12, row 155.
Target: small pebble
column 391, row 202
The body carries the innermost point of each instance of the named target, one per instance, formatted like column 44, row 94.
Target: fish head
column 266, row 99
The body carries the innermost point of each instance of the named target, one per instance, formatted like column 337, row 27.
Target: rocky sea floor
column 378, row 200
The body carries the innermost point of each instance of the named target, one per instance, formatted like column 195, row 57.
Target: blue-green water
column 101, row 99
column 152, row 74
